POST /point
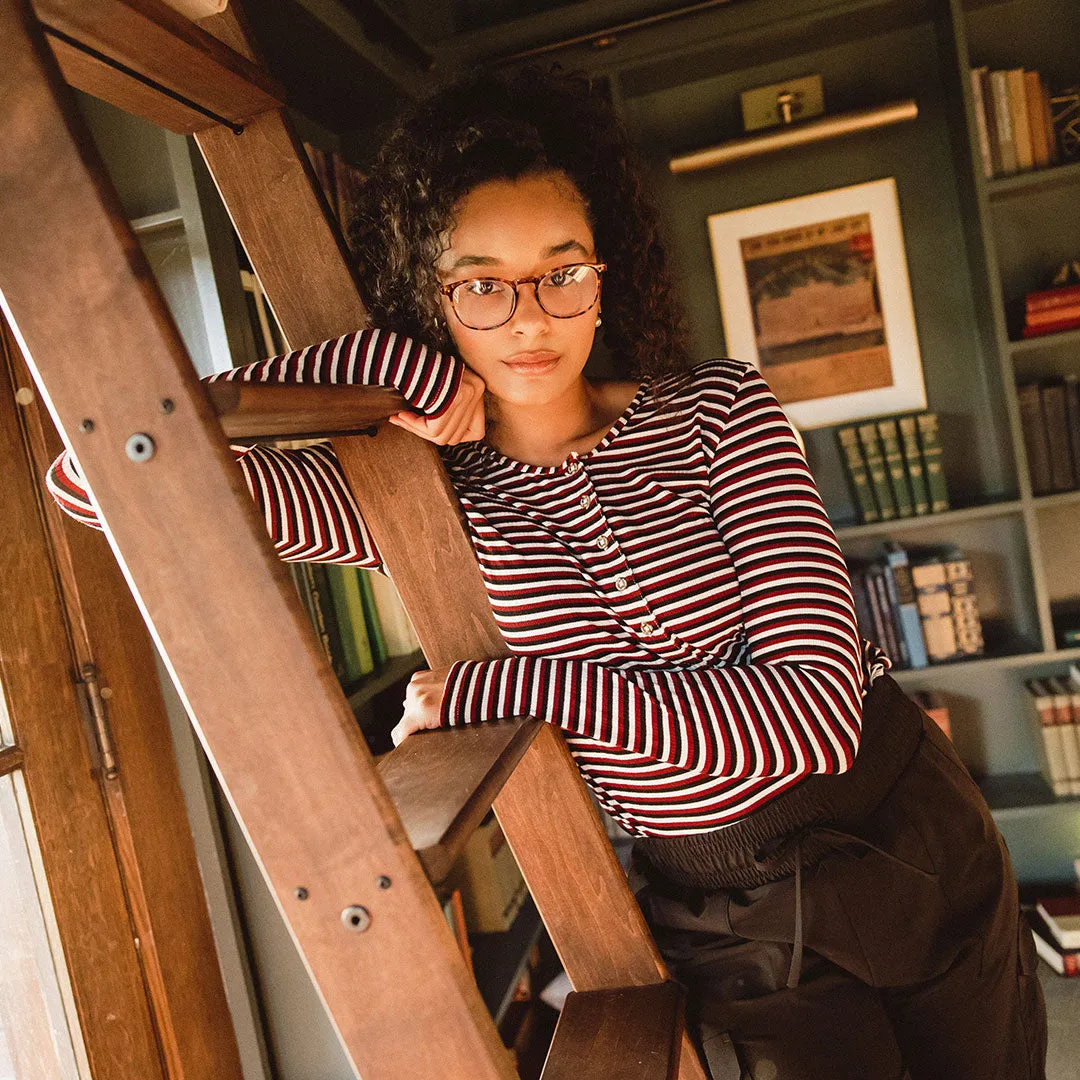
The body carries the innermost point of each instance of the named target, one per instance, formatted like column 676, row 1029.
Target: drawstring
column 797, row 947
column 796, row 839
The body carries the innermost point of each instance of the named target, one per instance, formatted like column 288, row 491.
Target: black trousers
column 896, row 951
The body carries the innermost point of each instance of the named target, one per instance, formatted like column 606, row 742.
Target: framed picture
column 814, row 293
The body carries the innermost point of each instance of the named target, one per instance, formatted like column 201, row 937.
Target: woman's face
column 511, row 229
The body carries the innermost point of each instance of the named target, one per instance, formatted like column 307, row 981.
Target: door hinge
column 95, row 698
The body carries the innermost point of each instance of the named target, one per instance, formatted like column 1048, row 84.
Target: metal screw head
column 356, row 918
column 302, row 893
column 167, row 405
column 383, row 881
column 86, row 426
column 140, row 447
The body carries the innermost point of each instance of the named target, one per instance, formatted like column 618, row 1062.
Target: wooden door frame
column 118, row 855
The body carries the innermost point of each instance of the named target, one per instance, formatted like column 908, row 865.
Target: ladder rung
column 632, row 1033
column 444, row 782
column 281, row 410
column 160, row 45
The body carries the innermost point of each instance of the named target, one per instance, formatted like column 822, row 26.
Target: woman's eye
column 482, row 287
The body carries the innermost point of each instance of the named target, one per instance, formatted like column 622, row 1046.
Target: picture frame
column 814, row 292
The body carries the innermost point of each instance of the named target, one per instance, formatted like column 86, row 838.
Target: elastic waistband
column 769, row 843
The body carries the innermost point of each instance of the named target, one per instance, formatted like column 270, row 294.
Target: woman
column 817, row 866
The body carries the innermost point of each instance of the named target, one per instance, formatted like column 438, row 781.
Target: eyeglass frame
column 447, row 290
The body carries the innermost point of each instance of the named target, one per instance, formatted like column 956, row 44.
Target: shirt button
column 585, row 500
column 648, row 628
column 620, row 583
column 602, row 542
column 574, row 466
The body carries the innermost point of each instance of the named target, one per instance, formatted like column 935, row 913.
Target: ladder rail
column 190, row 541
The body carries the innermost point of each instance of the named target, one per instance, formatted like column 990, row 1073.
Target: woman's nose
column 528, row 311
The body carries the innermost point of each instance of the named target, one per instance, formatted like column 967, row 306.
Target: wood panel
column 444, row 782
column 219, row 603
column 415, row 518
column 633, row 1033
column 152, row 39
column 142, row 796
column 38, row 679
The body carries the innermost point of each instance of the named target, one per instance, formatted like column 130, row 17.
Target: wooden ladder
column 350, row 849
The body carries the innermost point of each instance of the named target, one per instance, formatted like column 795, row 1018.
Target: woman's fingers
column 463, row 421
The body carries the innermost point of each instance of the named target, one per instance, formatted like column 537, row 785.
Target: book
column 965, row 607
column 1055, row 771
column 1066, row 717
column 1064, row 961
column 934, row 600
column 878, row 614
column 1061, row 914
column 875, row 466
column 857, row 473
column 933, row 463
column 1044, row 300
column 894, row 465
column 371, row 618
column 1036, row 444
column 323, row 602
column 892, row 641
column 1040, row 136
column 1053, row 316
column 991, row 120
column 902, row 596
column 980, row 121
column 1058, row 326
column 1055, row 415
column 909, row 439
column 397, row 627
column 1018, row 109
column 863, row 616
column 345, row 591
column 933, row 703
column 999, row 87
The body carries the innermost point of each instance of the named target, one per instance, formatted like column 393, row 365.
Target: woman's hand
column 463, row 420
column 423, row 700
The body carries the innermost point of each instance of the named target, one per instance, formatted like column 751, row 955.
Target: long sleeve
column 302, row 495
column 792, row 703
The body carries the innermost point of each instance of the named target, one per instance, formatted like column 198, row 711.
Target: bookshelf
column 974, row 246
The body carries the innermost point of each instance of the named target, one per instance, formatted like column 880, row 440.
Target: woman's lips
column 532, row 363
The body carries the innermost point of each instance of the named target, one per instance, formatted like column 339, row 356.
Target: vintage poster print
column 814, row 292
column 817, row 312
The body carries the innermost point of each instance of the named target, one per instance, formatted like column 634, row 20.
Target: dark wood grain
column 260, row 410
column 632, row 1033
column 211, row 586
column 143, row 799
column 443, row 783
column 149, row 37
column 414, row 516
column 73, row 830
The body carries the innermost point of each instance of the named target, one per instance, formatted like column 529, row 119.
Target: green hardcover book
column 894, row 465
column 355, row 605
column 326, row 621
column 875, row 465
column 932, row 461
column 335, row 576
column 909, row 439
column 857, row 473
column 371, row 616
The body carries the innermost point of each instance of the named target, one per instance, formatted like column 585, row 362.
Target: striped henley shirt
column 675, row 599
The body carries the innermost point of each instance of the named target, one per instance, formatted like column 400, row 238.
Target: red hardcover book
column 1062, row 916
column 1064, row 961
column 1061, row 314
column 1051, row 328
column 1048, row 299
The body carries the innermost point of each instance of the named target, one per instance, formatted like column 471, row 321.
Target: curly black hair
column 497, row 124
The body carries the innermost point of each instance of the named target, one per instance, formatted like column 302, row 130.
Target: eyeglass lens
column 486, row 303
